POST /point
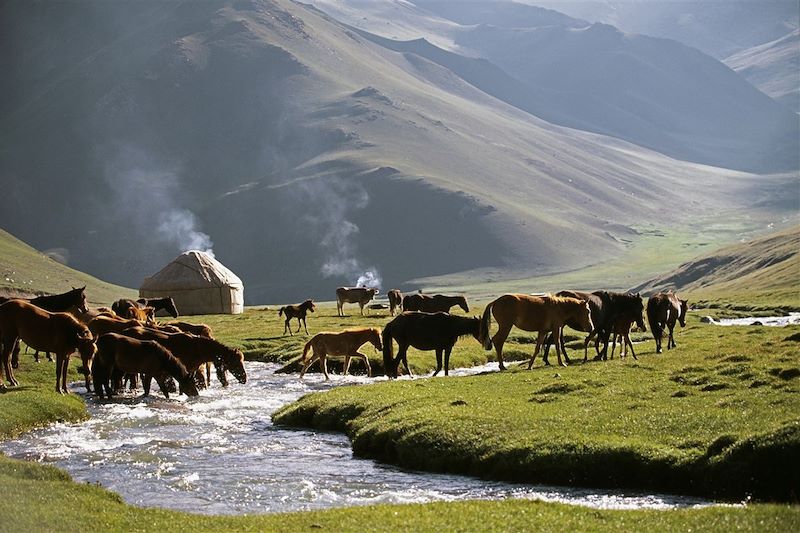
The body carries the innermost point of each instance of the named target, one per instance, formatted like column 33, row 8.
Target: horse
column 119, row 354
column 44, row 331
column 193, row 351
column 72, row 301
column 533, row 313
column 353, row 295
column 201, row 330
column 160, row 304
column 297, row 311
column 606, row 308
column 342, row 344
column 101, row 325
column 663, row 309
column 395, row 301
column 127, row 308
column 621, row 331
column 425, row 331
column 435, row 303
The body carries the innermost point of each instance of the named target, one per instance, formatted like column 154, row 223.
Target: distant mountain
column 657, row 93
column 766, row 263
column 773, row 67
column 306, row 155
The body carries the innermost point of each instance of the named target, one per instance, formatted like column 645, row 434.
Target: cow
column 353, row 295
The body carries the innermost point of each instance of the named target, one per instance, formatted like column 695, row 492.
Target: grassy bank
column 718, row 416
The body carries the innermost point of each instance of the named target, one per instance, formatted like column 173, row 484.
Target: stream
column 221, row 454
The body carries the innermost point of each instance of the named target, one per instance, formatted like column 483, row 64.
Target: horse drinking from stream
column 342, row 344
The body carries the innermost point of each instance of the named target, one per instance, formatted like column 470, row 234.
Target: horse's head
column 86, row 346
column 233, row 360
column 80, row 297
column 682, row 315
column 309, row 304
column 170, row 308
column 585, row 317
column 375, row 338
column 462, row 302
column 373, row 291
column 188, row 385
column 639, row 311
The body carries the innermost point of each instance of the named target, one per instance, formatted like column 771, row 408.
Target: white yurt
column 199, row 285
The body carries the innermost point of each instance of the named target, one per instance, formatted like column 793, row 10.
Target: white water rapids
column 221, row 454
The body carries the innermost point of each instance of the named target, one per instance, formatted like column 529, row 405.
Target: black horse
column 159, row 304
column 73, row 301
column 297, row 311
column 606, row 309
column 425, row 331
column 434, row 303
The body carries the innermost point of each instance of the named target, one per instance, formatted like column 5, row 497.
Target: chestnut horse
column 342, row 344
column 47, row 332
column 395, row 301
column 193, row 351
column 118, row 355
column 127, row 308
column 201, row 330
column 297, row 311
column 425, row 331
column 663, row 309
column 533, row 313
column 435, row 303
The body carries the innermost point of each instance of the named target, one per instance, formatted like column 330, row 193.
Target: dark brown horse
column 194, row 351
column 42, row 330
column 341, row 344
column 119, row 354
column 297, row 311
column 606, row 309
column 663, row 309
column 201, row 330
column 533, row 313
column 425, row 331
column 395, row 301
column 435, row 303
column 353, row 295
column 73, row 301
column 160, row 304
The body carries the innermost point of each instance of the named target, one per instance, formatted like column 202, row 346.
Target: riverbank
column 715, row 417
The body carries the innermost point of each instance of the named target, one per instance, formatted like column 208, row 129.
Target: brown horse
column 297, row 311
column 127, row 308
column 353, row 295
column 533, row 313
column 193, row 351
column 425, row 331
column 342, row 344
column 663, row 309
column 201, row 330
column 622, row 331
column 105, row 324
column 395, row 301
column 435, row 303
column 118, row 355
column 44, row 331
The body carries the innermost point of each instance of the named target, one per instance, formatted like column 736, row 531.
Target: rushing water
column 219, row 453
column 775, row 321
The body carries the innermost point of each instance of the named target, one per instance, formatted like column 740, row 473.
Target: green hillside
column 26, row 271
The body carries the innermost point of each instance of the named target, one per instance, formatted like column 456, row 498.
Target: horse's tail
column 306, row 348
column 486, row 321
column 388, row 352
column 652, row 318
column 280, row 312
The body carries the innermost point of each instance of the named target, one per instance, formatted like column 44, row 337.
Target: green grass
column 27, row 270
column 718, row 416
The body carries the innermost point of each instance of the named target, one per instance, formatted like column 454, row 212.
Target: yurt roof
column 192, row 270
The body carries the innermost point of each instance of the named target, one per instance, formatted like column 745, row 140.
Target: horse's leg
column 304, row 325
column 539, row 341
column 309, row 362
column 402, row 355
column 366, row 362
column 586, row 342
column 671, row 340
column 323, row 361
column 362, row 308
column 438, row 361
column 6, row 357
column 447, row 359
column 59, row 363
column 15, row 354
column 563, row 346
column 298, row 325
column 147, row 380
column 557, row 342
column 548, row 341
column 498, row 340
column 614, row 346
column 628, row 339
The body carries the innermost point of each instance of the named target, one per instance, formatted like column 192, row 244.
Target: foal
column 343, row 344
column 297, row 311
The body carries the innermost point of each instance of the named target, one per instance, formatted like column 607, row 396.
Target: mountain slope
column 26, row 271
column 773, row 67
column 766, row 263
column 303, row 154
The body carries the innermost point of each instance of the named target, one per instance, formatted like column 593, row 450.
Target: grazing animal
column 353, row 295
column 622, row 331
column 42, row 330
column 342, row 344
column 72, row 301
column 119, row 354
column 426, row 331
column 127, row 308
column 435, row 303
column 663, row 309
column 395, row 301
column 193, row 351
column 160, row 304
column 297, row 311
column 104, row 324
column 201, row 330
column 533, row 313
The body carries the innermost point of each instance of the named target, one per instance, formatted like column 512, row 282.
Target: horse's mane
column 171, row 363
